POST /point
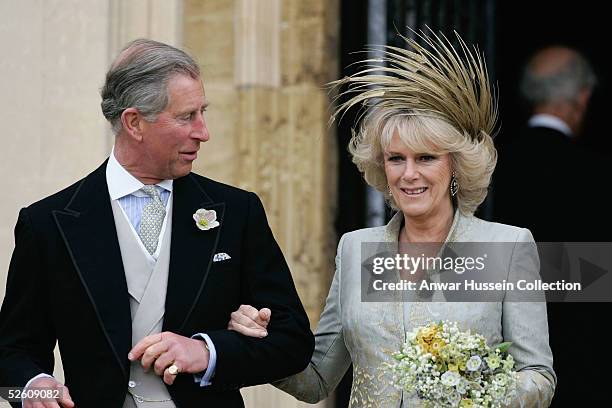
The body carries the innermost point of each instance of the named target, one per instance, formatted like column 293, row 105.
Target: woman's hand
column 249, row 321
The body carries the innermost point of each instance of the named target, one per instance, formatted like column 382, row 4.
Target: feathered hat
column 431, row 79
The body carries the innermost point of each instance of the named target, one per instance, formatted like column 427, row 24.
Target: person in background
column 558, row 83
column 543, row 174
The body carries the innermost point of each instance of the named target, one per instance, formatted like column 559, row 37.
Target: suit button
column 132, row 384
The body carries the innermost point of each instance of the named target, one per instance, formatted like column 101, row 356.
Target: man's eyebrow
column 189, row 110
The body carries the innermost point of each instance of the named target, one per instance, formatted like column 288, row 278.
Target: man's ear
column 583, row 98
column 132, row 122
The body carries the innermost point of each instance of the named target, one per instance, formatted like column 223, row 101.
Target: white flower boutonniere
column 206, row 219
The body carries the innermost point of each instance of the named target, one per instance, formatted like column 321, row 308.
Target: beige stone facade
column 264, row 64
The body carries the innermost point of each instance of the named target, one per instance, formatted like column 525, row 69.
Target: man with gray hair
column 542, row 172
column 558, row 82
column 135, row 269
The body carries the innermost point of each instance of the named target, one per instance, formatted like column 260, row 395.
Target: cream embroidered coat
column 365, row 333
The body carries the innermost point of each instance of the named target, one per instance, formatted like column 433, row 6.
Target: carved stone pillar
column 159, row 20
column 264, row 65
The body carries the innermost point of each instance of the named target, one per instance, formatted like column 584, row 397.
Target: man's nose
column 200, row 129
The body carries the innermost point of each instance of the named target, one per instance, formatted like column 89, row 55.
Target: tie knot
column 150, row 190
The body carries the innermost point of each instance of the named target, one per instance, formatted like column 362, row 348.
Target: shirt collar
column 550, row 121
column 121, row 183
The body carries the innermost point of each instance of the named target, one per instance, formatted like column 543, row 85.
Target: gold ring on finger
column 173, row 369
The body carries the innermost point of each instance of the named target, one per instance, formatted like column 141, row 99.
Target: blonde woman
column 425, row 142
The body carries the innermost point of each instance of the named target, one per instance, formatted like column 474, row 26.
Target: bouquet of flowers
column 447, row 367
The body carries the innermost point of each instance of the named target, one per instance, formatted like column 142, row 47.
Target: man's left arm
column 266, row 282
column 224, row 359
column 204, row 378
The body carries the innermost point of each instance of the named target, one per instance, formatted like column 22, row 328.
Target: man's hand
column 249, row 321
column 48, row 383
column 163, row 350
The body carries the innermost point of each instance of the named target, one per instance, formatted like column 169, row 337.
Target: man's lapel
column 191, row 251
column 88, row 229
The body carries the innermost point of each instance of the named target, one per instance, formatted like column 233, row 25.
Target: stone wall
column 265, row 63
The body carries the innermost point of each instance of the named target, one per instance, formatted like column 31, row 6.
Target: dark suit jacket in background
column 66, row 281
column 551, row 185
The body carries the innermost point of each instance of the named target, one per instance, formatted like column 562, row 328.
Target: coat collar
column 87, row 227
column 390, row 232
column 191, row 251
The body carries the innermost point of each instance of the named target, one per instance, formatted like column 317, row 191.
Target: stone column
column 264, row 64
column 159, row 20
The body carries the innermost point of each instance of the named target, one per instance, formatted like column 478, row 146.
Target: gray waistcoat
column 147, row 284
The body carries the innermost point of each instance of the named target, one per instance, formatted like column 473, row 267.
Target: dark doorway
column 525, row 26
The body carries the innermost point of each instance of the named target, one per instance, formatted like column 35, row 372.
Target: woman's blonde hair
column 437, row 100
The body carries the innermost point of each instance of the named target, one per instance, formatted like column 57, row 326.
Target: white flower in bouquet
column 473, row 363
column 450, row 378
column 447, row 367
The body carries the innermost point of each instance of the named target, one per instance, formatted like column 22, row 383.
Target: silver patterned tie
column 152, row 219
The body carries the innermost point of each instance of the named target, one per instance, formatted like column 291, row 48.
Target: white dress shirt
column 551, row 122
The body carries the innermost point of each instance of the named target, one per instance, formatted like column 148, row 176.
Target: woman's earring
column 454, row 186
